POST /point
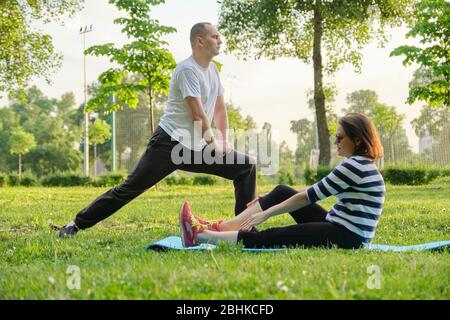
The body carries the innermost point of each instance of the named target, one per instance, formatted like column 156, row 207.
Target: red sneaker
column 189, row 228
column 215, row 225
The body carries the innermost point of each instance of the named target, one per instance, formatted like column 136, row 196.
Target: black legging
column 311, row 230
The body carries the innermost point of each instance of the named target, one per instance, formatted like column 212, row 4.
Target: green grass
column 114, row 265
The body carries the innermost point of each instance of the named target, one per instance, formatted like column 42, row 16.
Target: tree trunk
column 319, row 96
column 151, row 122
column 392, row 149
column 20, row 167
column 95, row 161
column 152, row 125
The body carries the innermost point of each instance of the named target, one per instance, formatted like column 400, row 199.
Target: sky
column 269, row 91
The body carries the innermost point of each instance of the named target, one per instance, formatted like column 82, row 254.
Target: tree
column 20, row 143
column 361, row 101
column 144, row 57
column 55, row 132
column 25, row 52
column 433, row 26
column 99, row 133
column 307, row 29
column 236, row 120
column 287, row 161
column 433, row 121
column 388, row 122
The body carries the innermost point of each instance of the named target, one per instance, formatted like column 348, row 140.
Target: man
column 195, row 98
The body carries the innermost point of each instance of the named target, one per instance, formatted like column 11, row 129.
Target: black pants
column 155, row 164
column 311, row 230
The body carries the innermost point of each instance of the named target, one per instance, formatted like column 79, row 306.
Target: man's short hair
column 198, row 30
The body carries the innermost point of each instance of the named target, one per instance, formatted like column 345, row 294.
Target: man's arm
column 221, row 117
column 198, row 114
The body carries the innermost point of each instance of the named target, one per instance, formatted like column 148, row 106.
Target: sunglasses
column 339, row 138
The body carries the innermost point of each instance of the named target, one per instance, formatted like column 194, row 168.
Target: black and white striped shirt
column 359, row 186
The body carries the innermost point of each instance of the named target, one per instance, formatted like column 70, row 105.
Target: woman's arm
column 295, row 202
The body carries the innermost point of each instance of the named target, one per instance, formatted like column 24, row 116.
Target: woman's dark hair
column 361, row 130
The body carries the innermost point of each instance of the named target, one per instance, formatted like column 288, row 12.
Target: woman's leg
column 314, row 234
column 213, row 237
column 310, row 213
column 234, row 224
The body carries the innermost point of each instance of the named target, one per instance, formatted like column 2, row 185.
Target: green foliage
column 432, row 122
column 99, row 132
column 3, row 180
column 29, row 180
column 277, row 29
column 146, row 56
column 433, row 28
column 236, row 120
column 26, row 179
column 285, row 177
column 204, row 180
column 20, row 141
column 410, row 175
column 52, row 123
column 312, row 176
column 25, row 51
column 110, row 180
column 66, row 179
column 308, row 30
column 178, row 178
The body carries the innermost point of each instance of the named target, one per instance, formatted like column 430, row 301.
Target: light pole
column 83, row 32
column 231, row 79
column 113, row 136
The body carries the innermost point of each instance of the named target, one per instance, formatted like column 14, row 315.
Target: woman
column 351, row 223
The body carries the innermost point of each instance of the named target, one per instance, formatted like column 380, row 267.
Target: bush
column 204, row 180
column 285, row 177
column 3, row 180
column 66, row 180
column 410, row 175
column 445, row 172
column 312, row 176
column 178, row 179
column 109, row 180
column 13, row 180
column 27, row 180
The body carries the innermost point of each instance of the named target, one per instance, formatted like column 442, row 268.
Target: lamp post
column 83, row 32
column 113, row 136
column 231, row 79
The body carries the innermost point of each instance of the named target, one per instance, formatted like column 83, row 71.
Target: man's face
column 211, row 42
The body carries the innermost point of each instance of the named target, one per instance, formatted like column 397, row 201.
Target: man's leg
column 154, row 165
column 235, row 166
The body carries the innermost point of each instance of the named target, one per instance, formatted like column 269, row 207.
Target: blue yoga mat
column 174, row 243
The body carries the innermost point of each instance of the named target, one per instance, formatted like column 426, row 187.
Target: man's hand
column 222, row 147
column 254, row 219
column 227, row 146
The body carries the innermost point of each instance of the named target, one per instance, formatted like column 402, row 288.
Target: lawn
column 36, row 264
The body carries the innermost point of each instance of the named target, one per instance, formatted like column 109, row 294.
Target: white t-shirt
column 190, row 80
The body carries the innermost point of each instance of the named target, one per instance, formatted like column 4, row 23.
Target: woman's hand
column 251, row 203
column 254, row 219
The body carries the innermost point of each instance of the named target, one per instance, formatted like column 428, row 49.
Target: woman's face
column 345, row 146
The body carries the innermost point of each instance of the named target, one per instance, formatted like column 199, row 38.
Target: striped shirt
column 359, row 187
